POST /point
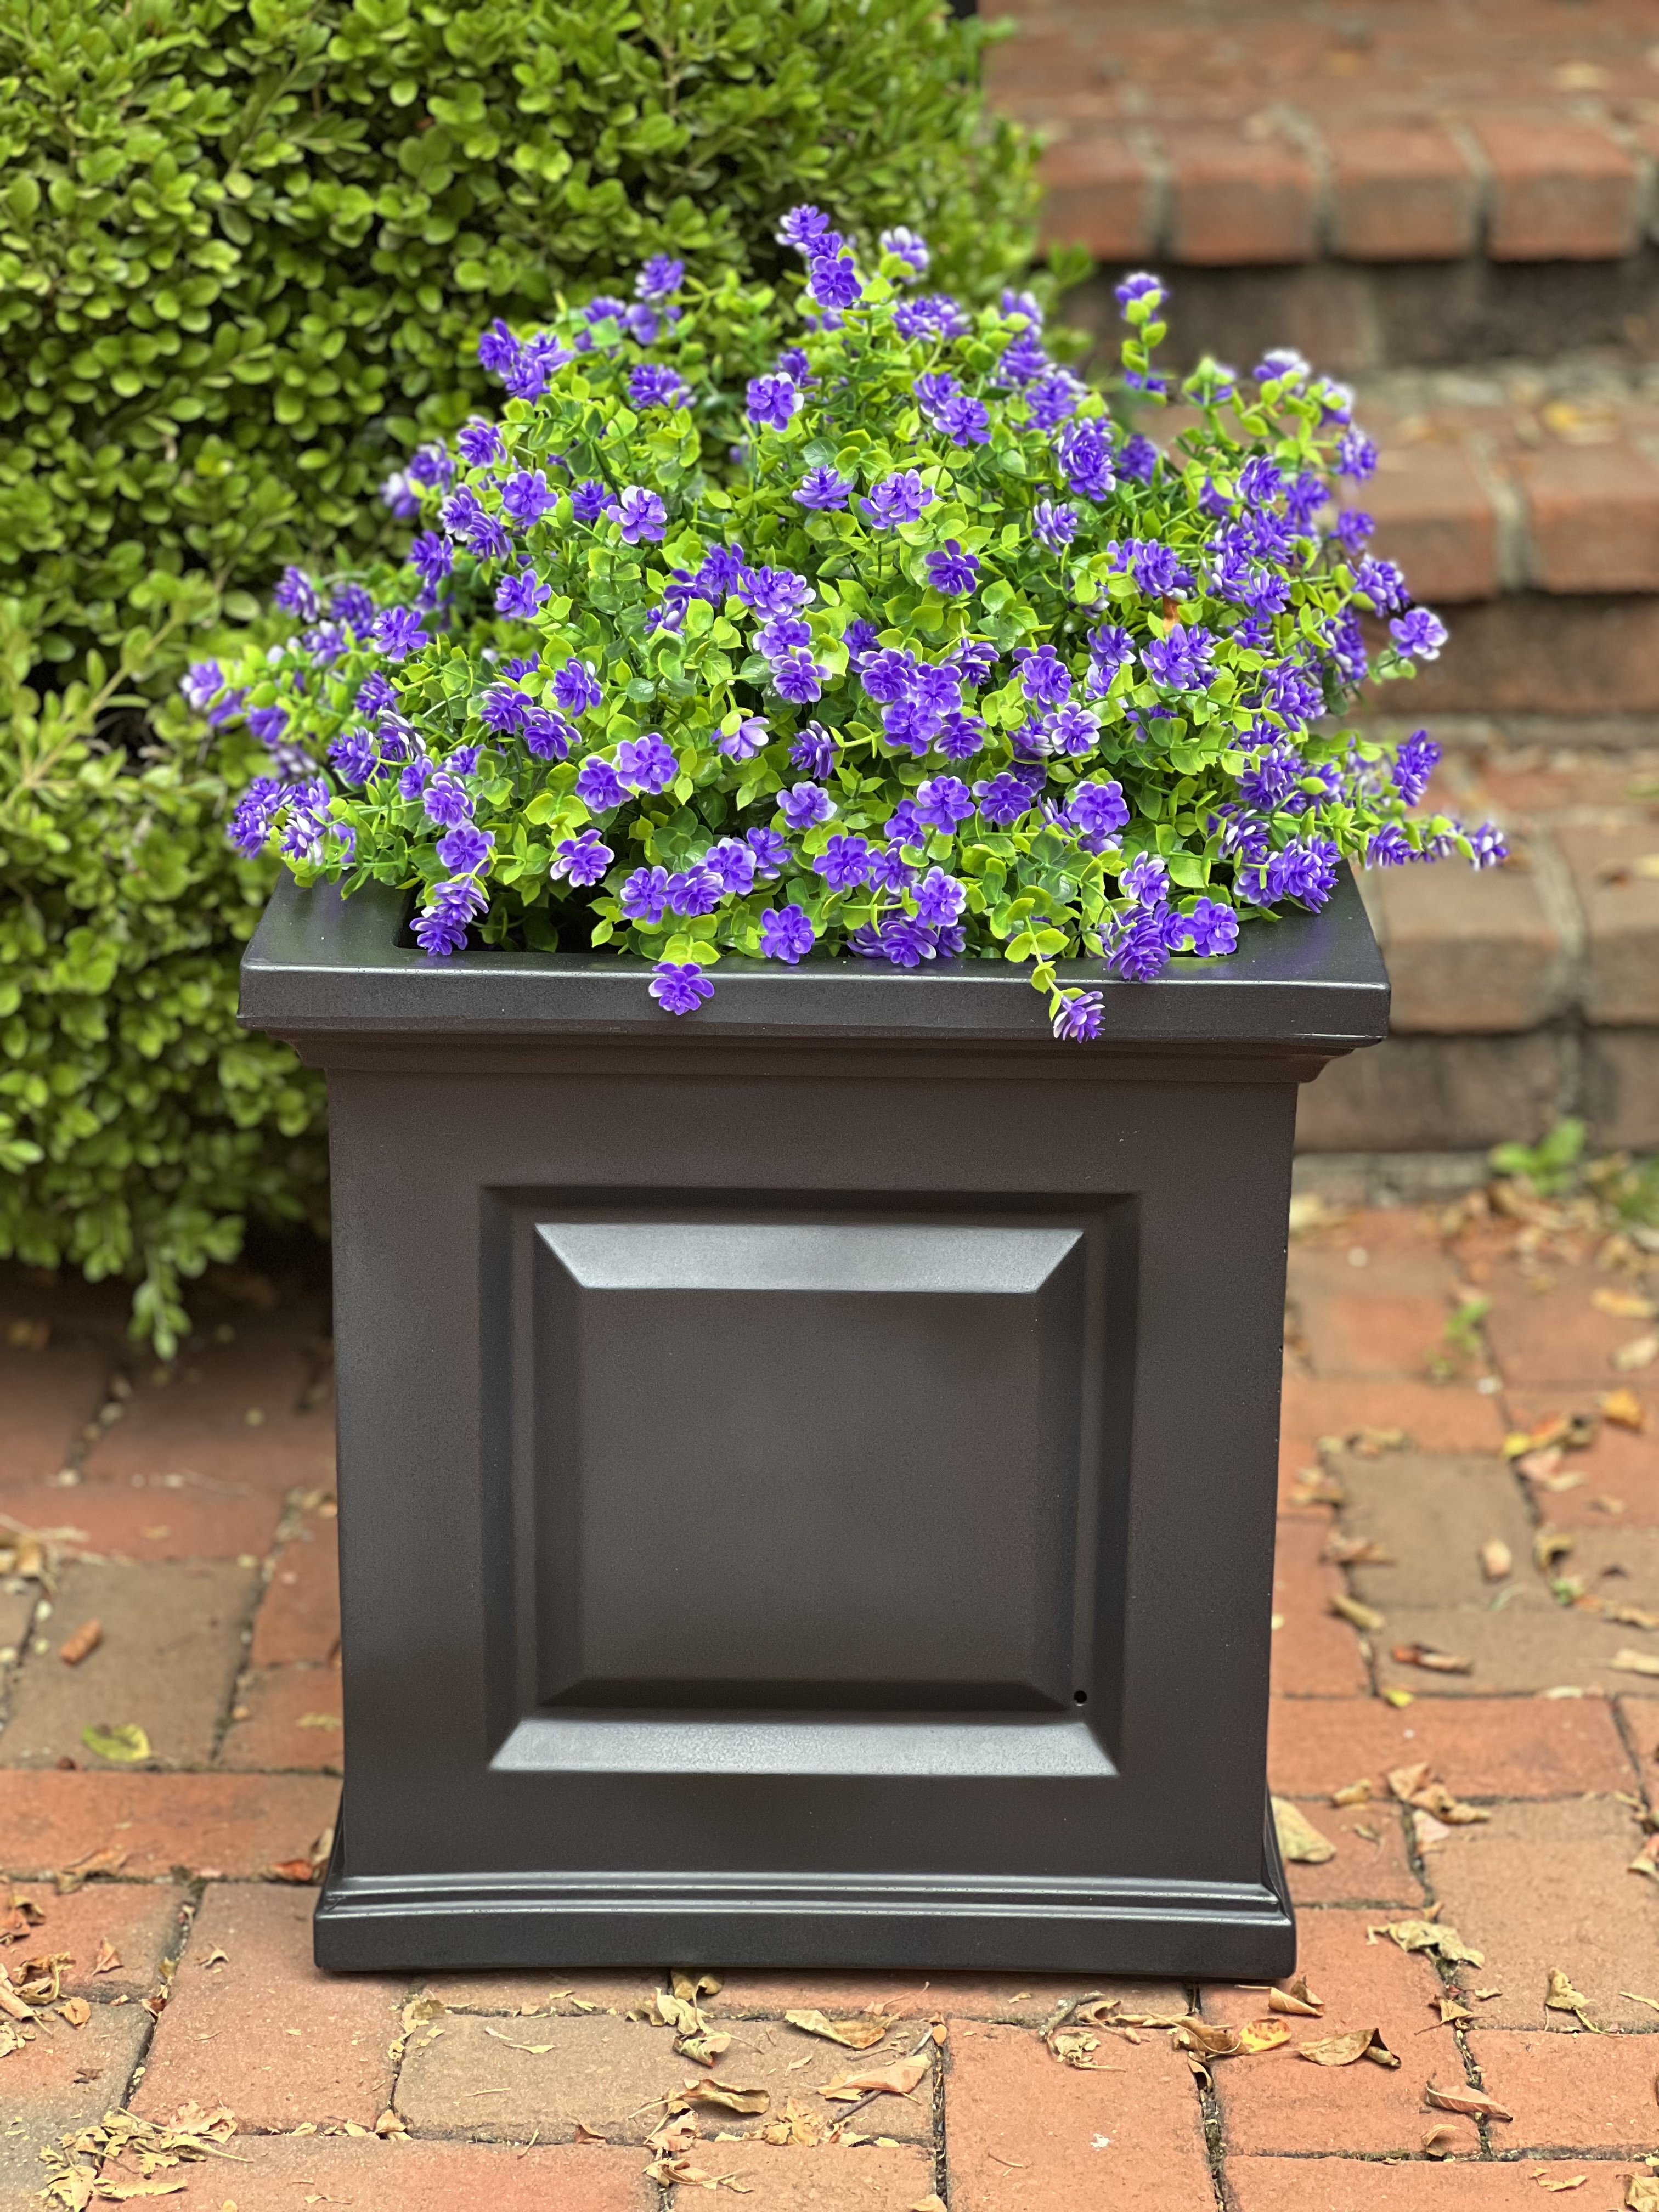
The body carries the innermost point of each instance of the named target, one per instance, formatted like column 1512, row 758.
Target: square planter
column 807, row 1471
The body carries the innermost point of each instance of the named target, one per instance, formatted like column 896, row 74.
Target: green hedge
column 245, row 249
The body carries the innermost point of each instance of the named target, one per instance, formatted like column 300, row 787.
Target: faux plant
column 946, row 664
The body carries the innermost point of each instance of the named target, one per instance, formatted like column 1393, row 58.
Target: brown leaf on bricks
column 20, row 1919
column 391, row 2123
column 1549, row 1546
column 1295, row 1997
column 1630, row 1616
column 1345, row 2050
column 932, row 2203
column 1428, row 1936
column 694, row 1988
column 1641, row 1351
column 1635, row 1663
column 1435, row 1661
column 1641, row 2192
column 1624, row 1305
column 1353, row 1793
column 1557, row 2183
column 1406, row 1781
column 1624, row 1410
column 1357, row 1552
column 1452, row 2014
column 1472, row 2104
column 1559, row 1996
column 76, row 2010
column 896, row 2081
column 109, row 1958
column 1357, row 1615
column 1496, row 1563
column 295, row 1870
column 1440, row 2142
column 853, row 2034
column 794, row 2125
column 84, row 1641
column 729, row 2096
column 1298, row 1838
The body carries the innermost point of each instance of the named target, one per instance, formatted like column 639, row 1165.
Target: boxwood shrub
column 245, row 249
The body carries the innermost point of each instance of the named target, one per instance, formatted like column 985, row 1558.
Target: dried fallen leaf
column 1630, row 1616
column 854, row 2034
column 1429, row 1935
column 1452, row 2012
column 1298, row 1838
column 20, row 1919
column 1635, row 1663
column 1406, row 1781
column 76, row 2010
column 1356, row 1793
column 1624, row 1410
column 1356, row 1615
column 85, row 1641
column 694, row 1987
column 1296, row 1997
column 932, row 2203
column 896, row 2081
column 1440, row 2142
column 1561, row 1996
column 794, row 2125
column 1557, row 2183
column 109, row 1958
column 707, row 2049
column 1550, row 1546
column 124, row 1745
column 727, row 2095
column 1357, row 1552
column 1345, row 2050
column 391, row 2123
column 1641, row 2192
column 299, row 1870
column 1427, row 1832
column 1472, row 2104
column 1496, row 1561
column 1640, row 1351
column 536, row 2050
column 1434, row 1797
column 1260, row 2035
column 1624, row 1305
column 1435, row 1661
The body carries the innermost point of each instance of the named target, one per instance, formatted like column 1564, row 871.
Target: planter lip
column 320, row 964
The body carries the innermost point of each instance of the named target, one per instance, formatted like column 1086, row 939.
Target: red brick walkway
column 195, row 1522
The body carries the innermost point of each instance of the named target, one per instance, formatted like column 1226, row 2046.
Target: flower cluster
column 947, row 664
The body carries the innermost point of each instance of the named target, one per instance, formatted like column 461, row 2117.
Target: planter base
column 1228, row 1931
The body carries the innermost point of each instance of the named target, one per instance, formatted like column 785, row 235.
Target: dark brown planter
column 806, row 1471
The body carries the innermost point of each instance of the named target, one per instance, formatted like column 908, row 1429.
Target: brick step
column 1520, row 996
column 1424, row 184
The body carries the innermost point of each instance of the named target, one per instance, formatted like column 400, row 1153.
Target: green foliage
column 245, row 250
column 1552, row 1166
column 139, row 1126
column 246, row 245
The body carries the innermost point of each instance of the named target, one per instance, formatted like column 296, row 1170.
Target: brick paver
column 205, row 1545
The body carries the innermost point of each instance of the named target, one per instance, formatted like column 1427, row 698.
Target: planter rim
column 320, row 964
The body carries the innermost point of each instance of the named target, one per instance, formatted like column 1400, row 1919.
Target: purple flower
column 1138, row 946
column 844, row 863
column 806, row 806
column 1356, row 455
column 888, row 676
column 1023, row 360
column 680, row 986
column 1421, row 632
column 1139, row 459
column 1182, row 660
column 521, row 595
column 1085, row 454
column 598, row 786
column 1109, row 647
column 832, row 280
column 1072, row 730
column 201, row 683
column 974, row 659
column 1097, row 811
column 1413, row 765
column 1260, row 481
column 822, row 489
column 747, row 739
column 479, row 443
column 1054, row 525
column 375, row 694
column 801, row 226
column 786, row 934
column 661, row 278
column 1079, row 1017
column 1282, row 363
column 526, row 496
column 587, row 502
column 503, row 707
column 400, row 496
column 960, row 737
column 732, row 864
column 943, row 801
column 267, row 724
column 1211, row 929
column 939, row 898
column 430, row 558
column 1271, row 776
column 1489, row 846
column 1043, row 675
column 797, row 677
column 774, row 592
column 1157, row 573
column 253, row 814
column 1002, row 800
column 645, row 763
column 1146, row 880
column 1381, row 583
column 952, row 571
column 1390, row 848
column 644, row 896
column 415, row 777
column 964, row 421
column 576, row 688
column 296, row 595
column 583, row 858
column 770, row 853
column 638, row 513
column 1053, row 400
column 353, row 756
column 397, row 633
column 465, row 851
column 694, row 890
column 1353, row 526
column 895, row 500
column 651, row 385
column 933, row 389
column 860, row 638
column 546, row 734
column 441, row 928
column 1141, row 285
column 904, row 246
column 773, row 401
column 814, row 751
column 447, row 802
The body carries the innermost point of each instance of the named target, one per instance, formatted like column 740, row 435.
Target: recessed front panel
column 815, row 1465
